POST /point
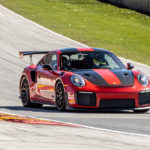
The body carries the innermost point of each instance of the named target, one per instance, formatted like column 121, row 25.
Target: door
column 46, row 78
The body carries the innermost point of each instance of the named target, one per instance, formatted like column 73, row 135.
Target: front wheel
column 60, row 97
column 141, row 111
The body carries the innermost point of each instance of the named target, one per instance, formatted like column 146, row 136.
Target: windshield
column 90, row 60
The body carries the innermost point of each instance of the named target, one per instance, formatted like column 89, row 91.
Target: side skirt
column 37, row 102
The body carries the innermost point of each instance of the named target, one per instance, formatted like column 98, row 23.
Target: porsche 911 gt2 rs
column 89, row 78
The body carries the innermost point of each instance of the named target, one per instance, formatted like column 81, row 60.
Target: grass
column 123, row 31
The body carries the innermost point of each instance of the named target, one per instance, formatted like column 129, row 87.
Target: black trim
column 61, row 74
column 33, row 75
column 68, row 50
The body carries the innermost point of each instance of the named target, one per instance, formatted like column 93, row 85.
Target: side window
column 51, row 59
column 53, row 62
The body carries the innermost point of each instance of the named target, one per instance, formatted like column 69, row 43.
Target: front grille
column 144, row 98
column 117, row 103
column 86, row 99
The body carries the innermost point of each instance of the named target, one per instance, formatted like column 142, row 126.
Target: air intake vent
column 117, row 103
column 144, row 98
column 86, row 98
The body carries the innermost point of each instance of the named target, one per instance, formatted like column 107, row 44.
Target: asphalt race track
column 17, row 34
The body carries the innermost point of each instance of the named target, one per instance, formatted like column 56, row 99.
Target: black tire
column 60, row 97
column 25, row 94
column 141, row 111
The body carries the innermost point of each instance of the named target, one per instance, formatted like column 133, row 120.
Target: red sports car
column 89, row 78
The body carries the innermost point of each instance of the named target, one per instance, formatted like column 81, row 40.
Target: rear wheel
column 25, row 94
column 60, row 97
column 141, row 111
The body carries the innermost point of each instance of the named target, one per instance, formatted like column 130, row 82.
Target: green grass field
column 123, row 31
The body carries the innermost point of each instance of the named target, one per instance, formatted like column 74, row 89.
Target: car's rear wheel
column 25, row 94
column 60, row 97
column 141, row 111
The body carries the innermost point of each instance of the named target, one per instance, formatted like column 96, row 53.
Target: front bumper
column 116, row 100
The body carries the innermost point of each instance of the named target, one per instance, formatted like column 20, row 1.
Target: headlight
column 143, row 79
column 77, row 80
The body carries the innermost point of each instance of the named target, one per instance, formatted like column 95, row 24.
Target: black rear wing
column 25, row 53
column 30, row 53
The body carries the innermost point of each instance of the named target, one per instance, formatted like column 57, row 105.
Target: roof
column 67, row 50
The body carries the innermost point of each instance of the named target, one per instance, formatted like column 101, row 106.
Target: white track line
column 57, row 34
column 83, row 126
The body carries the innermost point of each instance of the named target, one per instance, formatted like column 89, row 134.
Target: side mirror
column 130, row 66
column 47, row 67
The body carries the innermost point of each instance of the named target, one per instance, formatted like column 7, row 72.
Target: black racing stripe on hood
column 125, row 76
column 91, row 76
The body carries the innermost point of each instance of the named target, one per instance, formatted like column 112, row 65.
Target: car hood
column 107, row 77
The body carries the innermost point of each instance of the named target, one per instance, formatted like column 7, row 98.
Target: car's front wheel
column 25, row 94
column 60, row 97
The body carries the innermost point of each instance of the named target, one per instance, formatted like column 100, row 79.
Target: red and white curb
column 28, row 120
column 40, row 121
